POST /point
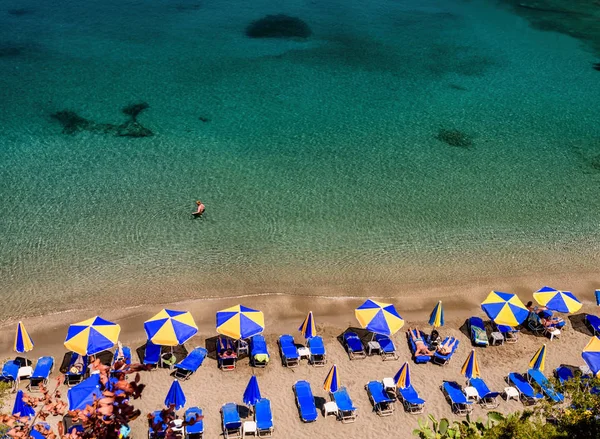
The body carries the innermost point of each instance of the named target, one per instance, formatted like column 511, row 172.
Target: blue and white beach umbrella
column 175, row 396
column 252, row 392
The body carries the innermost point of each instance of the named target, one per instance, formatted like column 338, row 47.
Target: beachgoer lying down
column 446, row 347
column 420, row 346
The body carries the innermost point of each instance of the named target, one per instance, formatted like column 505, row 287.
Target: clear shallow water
column 319, row 165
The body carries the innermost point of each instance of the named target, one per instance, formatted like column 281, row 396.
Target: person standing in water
column 200, row 210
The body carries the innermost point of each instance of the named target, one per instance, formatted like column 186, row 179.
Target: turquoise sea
column 318, row 159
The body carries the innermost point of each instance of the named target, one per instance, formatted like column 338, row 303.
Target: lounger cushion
column 378, row 393
column 306, row 401
column 231, row 416
column 198, row 426
column 455, row 393
column 263, row 415
column 523, row 386
column 386, row 343
column 193, row 360
column 288, row 347
column 410, row 395
column 152, row 353
column 482, row 388
column 545, row 385
column 353, row 342
column 43, row 367
column 316, row 346
column 343, row 401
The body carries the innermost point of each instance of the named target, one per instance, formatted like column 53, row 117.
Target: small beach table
column 511, row 393
column 497, row 338
column 330, row 408
column 304, row 353
column 373, row 347
column 249, row 428
column 471, row 393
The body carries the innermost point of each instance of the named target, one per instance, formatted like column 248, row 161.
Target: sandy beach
column 209, row 388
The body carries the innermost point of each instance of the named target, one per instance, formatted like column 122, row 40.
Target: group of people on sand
column 546, row 317
column 423, row 348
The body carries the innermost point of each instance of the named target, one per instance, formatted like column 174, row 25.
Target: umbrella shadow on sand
column 580, row 324
column 180, row 352
column 364, row 335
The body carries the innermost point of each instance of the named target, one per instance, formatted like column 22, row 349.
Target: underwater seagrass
column 278, row 26
column 455, row 138
column 73, row 123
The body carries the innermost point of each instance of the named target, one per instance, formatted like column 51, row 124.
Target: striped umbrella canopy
column 332, row 382
column 170, row 327
column 380, row 318
column 240, row 322
column 436, row 319
column 92, row 336
column 307, row 328
column 591, row 355
column 471, row 367
column 505, row 308
column 538, row 361
column 175, row 396
column 402, row 377
column 252, row 392
column 560, row 301
column 23, row 342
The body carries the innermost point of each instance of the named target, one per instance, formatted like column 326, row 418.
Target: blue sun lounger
column 511, row 335
column 457, row 399
column 382, row 403
column 388, row 349
column 196, row 430
column 346, row 410
column 411, row 401
column 156, row 426
column 527, row 394
column 232, row 423
column 317, row 351
column 478, row 333
column 259, row 355
column 487, row 398
column 10, row 373
column 593, row 322
column 354, row 346
column 537, row 377
column 305, row 401
column 190, row 364
column 72, row 378
column 151, row 354
column 263, row 417
column 443, row 359
column 41, row 373
column 564, row 374
column 419, row 359
column 288, row 351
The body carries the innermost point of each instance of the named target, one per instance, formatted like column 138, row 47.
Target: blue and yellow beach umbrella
column 331, row 383
column 92, row 336
column 560, row 301
column 402, row 377
column 170, row 327
column 505, row 308
column 23, row 341
column 436, row 319
column 240, row 322
column 380, row 318
column 471, row 367
column 538, row 361
column 591, row 355
column 307, row 328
